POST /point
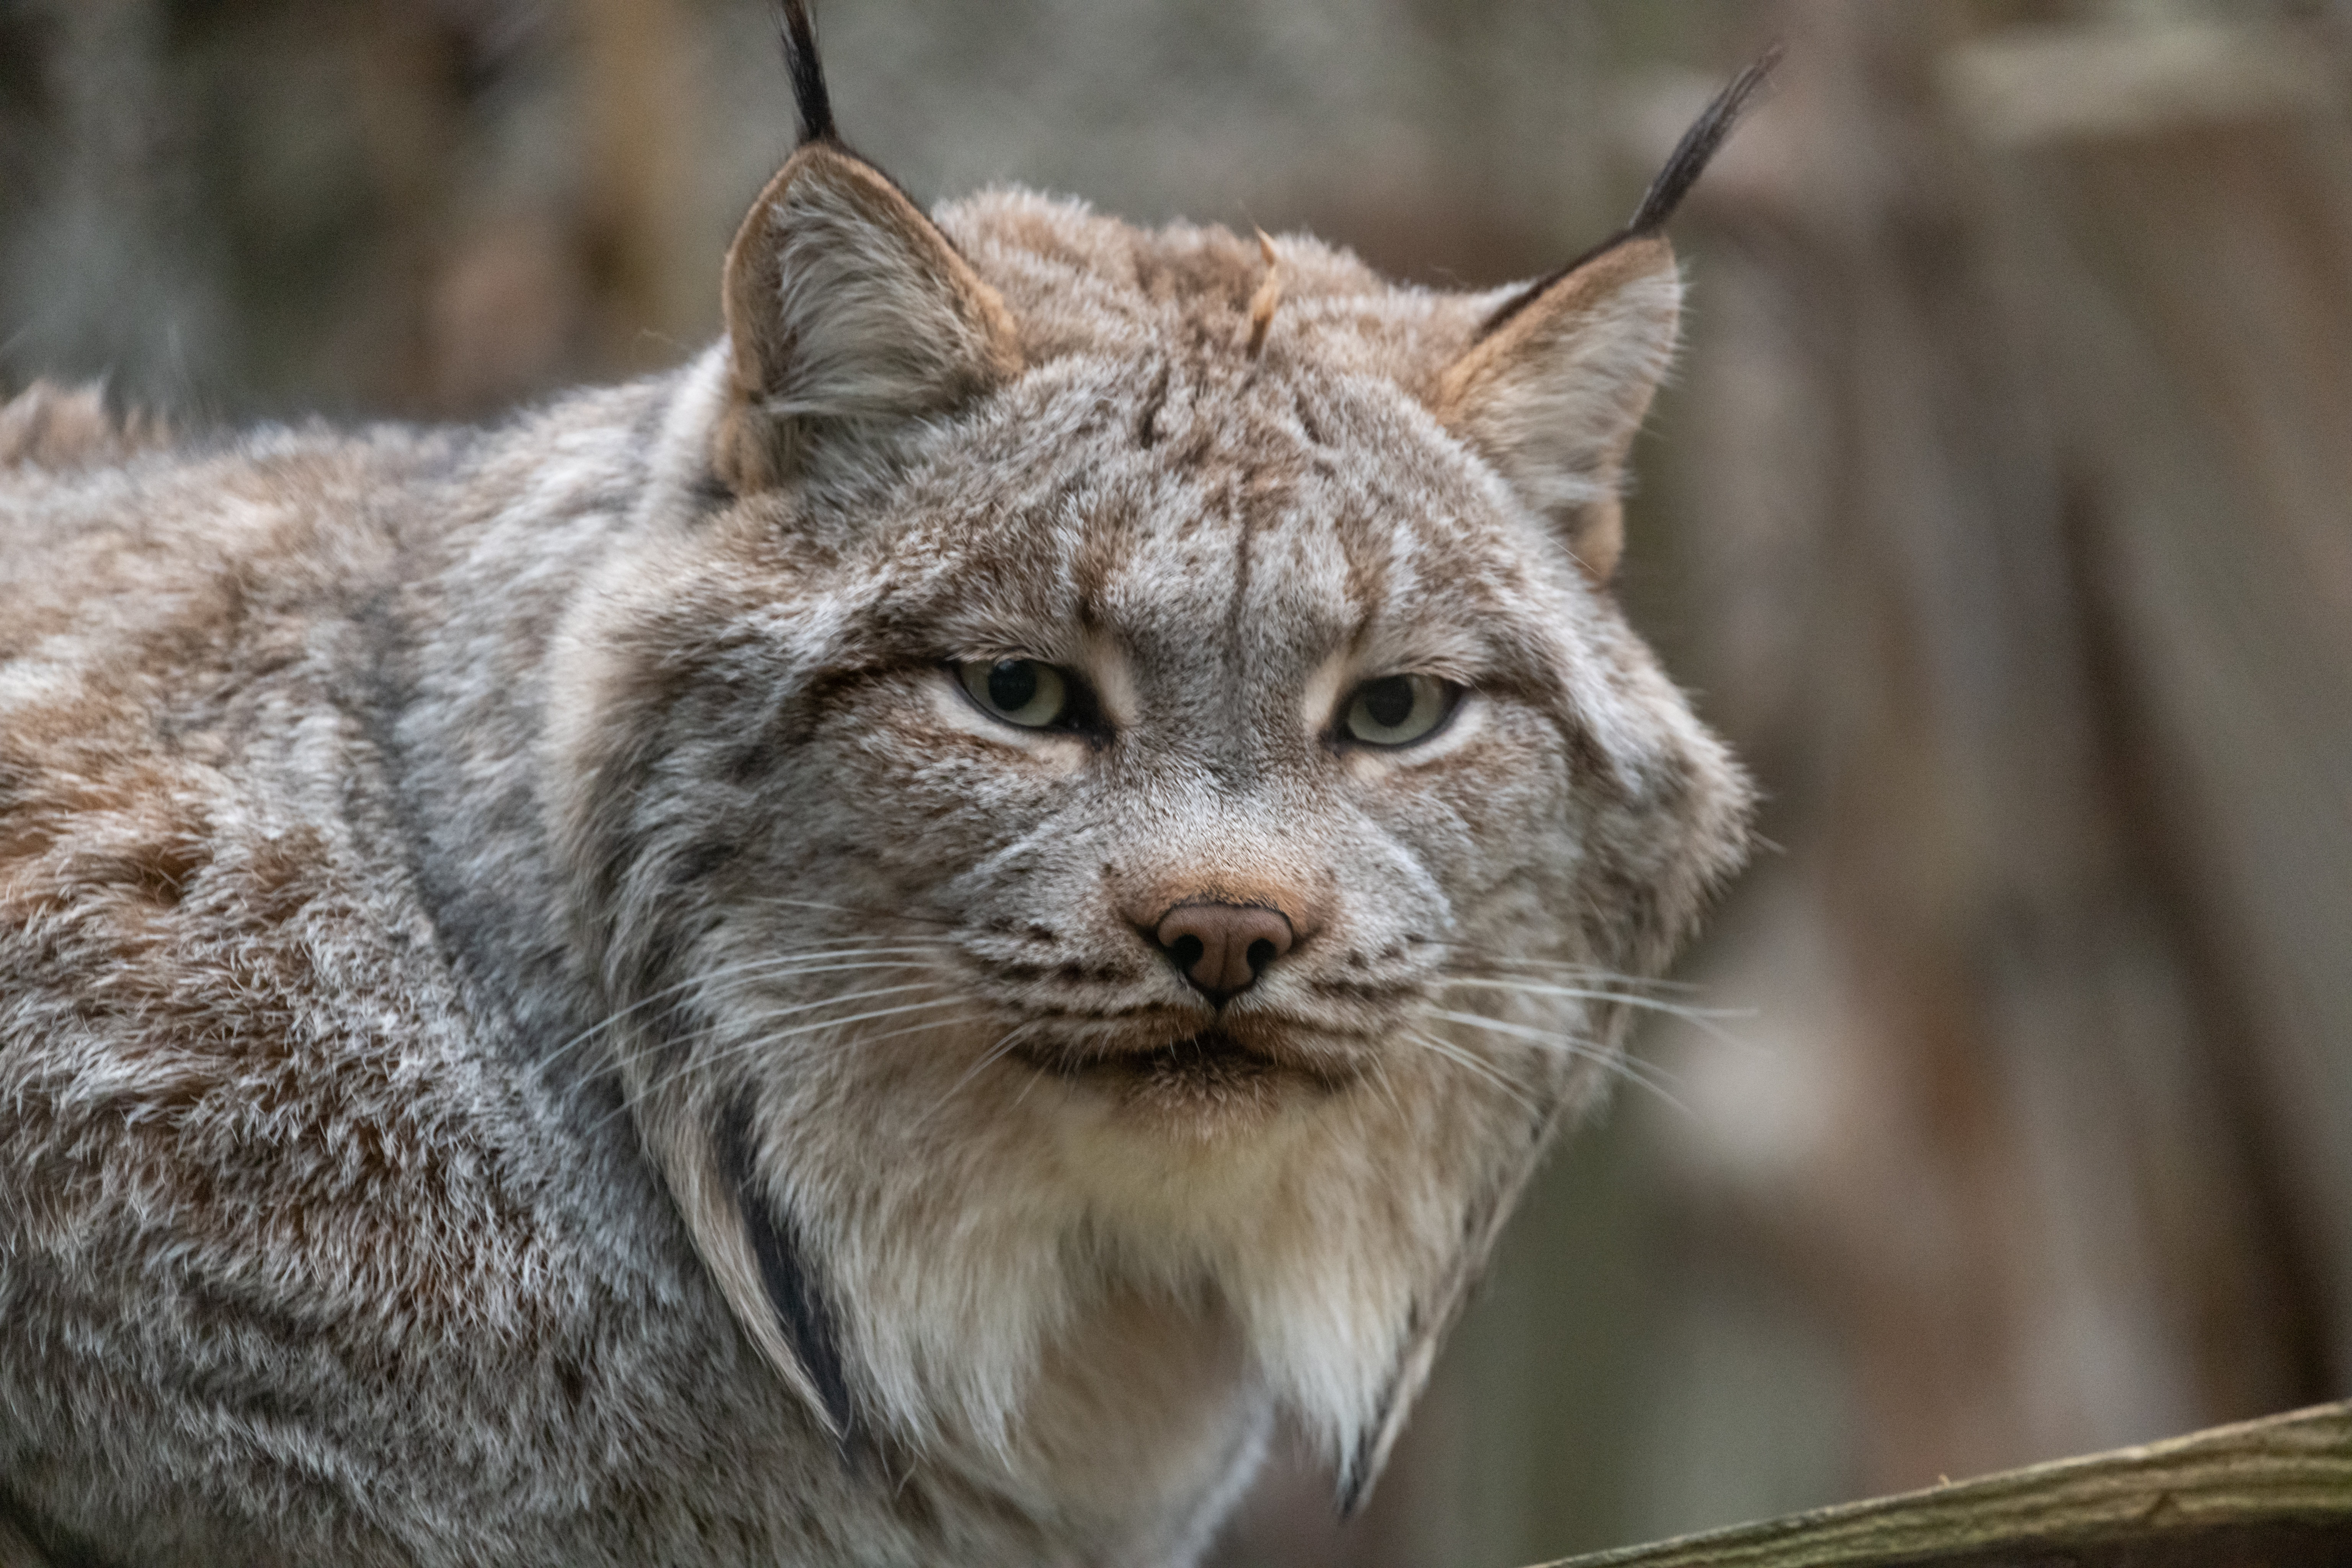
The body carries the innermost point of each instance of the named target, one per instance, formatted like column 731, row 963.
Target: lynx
column 883, row 949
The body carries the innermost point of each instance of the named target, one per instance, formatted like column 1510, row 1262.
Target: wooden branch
column 2276, row 1492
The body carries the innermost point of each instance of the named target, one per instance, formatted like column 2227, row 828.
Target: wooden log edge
column 2275, row 1491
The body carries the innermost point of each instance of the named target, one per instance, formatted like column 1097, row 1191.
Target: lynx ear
column 1553, row 392
column 1561, row 374
column 847, row 311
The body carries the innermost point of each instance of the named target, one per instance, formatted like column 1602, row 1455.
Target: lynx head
column 1109, row 783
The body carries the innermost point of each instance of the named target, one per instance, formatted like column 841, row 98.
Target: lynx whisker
column 1649, row 1077
column 693, row 1038
column 1698, row 1015
column 1463, row 1059
column 790, row 1007
column 1574, row 969
column 994, row 1054
column 863, row 913
column 766, row 967
column 701, row 1064
column 686, row 1040
column 1385, row 1083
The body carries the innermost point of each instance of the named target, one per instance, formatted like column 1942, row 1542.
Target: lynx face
column 1110, row 786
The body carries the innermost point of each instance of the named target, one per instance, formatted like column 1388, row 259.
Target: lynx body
column 876, row 951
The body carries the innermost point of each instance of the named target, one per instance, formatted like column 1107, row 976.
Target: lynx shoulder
column 878, row 949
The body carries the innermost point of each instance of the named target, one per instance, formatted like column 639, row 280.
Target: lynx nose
column 1222, row 948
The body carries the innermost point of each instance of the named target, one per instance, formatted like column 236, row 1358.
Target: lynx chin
column 881, row 949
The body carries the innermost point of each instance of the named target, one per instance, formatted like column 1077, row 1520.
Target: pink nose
column 1222, row 948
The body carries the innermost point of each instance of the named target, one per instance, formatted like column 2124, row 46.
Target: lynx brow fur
column 545, row 1017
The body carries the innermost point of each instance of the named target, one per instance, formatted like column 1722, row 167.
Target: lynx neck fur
column 879, row 950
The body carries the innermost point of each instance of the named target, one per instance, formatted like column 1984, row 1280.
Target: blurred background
column 2001, row 514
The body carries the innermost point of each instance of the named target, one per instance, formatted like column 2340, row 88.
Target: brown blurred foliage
column 2002, row 516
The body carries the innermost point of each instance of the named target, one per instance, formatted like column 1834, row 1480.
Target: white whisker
column 694, row 1065
column 1700, row 1017
column 755, row 968
column 1463, row 1059
column 846, row 999
column 862, row 914
column 993, row 1055
column 816, row 1025
column 1380, row 1081
column 684, row 1038
column 1649, row 1077
column 1574, row 969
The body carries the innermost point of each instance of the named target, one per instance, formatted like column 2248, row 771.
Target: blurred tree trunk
column 2188, row 198
column 653, row 278
column 2053, row 1198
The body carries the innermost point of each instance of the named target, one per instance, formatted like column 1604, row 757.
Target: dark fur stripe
column 792, row 1291
column 1684, row 165
column 1356, row 1477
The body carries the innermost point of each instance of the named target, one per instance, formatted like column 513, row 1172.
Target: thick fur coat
column 554, row 1008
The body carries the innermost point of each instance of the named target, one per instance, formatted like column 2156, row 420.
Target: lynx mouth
column 1208, row 1062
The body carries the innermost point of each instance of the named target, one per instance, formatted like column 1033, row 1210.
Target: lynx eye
column 1397, row 709
column 1018, row 691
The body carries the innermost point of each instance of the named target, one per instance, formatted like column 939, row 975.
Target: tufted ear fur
column 848, row 314
column 1553, row 391
column 1556, row 384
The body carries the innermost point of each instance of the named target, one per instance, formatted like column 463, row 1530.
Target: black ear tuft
column 1684, row 167
column 810, row 98
column 1698, row 146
